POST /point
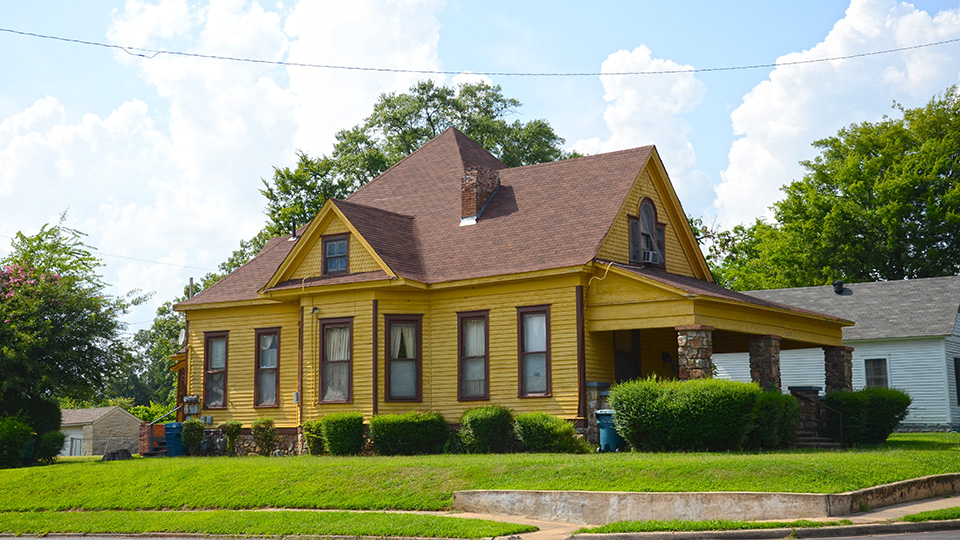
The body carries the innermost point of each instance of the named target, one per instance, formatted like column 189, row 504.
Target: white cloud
column 798, row 104
column 649, row 109
column 177, row 181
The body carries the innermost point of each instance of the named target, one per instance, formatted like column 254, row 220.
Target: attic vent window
column 335, row 254
column 647, row 236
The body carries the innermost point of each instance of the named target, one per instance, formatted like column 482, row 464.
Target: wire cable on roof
column 153, row 53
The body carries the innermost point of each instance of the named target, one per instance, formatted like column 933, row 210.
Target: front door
column 626, row 351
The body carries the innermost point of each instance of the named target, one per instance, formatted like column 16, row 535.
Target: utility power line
column 153, row 53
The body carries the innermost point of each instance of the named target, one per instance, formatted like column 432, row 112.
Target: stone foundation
column 695, row 351
column 597, row 393
column 808, row 399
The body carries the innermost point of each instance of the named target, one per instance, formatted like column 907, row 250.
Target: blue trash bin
column 610, row 440
column 173, row 432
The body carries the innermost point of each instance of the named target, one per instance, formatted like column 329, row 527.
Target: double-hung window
column 336, row 360
column 473, row 369
column 533, row 346
column 267, row 367
column 215, row 370
column 404, row 357
column 335, row 254
column 876, row 372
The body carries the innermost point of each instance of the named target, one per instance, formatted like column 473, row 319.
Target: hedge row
column 494, row 429
column 339, row 434
column 29, row 432
column 868, row 416
column 702, row 414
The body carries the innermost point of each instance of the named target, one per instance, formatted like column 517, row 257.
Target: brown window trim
column 462, row 317
column 324, row 323
column 207, row 337
column 258, row 332
column 527, row 310
column 388, row 320
column 323, row 259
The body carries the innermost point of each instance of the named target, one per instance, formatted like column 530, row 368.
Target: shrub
column 409, row 433
column 342, row 433
column 192, row 435
column 541, row 432
column 231, row 430
column 765, row 431
column 314, row 437
column 264, row 436
column 701, row 414
column 48, row 447
column 487, row 430
column 789, row 417
column 15, row 437
column 852, row 407
column 886, row 408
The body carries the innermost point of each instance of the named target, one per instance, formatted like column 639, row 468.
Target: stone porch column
column 695, row 351
column 838, row 368
column 765, row 361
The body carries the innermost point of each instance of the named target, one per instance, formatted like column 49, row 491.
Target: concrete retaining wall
column 602, row 507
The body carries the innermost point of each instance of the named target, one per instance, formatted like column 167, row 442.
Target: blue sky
column 159, row 160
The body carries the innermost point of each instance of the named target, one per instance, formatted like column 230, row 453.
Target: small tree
column 192, row 435
column 231, row 430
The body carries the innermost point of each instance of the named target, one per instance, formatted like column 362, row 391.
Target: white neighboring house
column 94, row 432
column 906, row 336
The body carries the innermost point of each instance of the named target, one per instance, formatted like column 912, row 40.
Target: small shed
column 96, row 431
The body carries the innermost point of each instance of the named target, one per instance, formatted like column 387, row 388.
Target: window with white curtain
column 215, row 370
column 403, row 357
column 335, row 360
column 534, row 349
column 474, row 367
column 267, row 366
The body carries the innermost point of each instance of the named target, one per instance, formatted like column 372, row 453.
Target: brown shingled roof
column 543, row 216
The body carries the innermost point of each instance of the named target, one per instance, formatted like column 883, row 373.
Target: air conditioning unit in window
column 651, row 257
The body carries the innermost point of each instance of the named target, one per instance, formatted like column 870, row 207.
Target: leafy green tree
column 61, row 333
column 880, row 202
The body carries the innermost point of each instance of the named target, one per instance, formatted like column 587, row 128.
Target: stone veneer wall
column 695, row 351
column 838, row 368
column 765, row 362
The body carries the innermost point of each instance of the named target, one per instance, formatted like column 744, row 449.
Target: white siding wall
column 915, row 366
column 75, row 432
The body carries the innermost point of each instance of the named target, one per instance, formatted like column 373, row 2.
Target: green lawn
column 255, row 523
column 428, row 482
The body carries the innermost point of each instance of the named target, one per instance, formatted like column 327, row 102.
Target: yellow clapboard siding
column 241, row 324
column 616, row 246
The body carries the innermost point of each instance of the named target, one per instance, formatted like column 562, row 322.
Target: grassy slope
column 428, row 482
column 255, row 523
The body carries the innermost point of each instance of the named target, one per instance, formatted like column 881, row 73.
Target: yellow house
column 553, row 282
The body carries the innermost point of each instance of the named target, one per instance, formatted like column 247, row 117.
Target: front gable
column 681, row 253
column 306, row 260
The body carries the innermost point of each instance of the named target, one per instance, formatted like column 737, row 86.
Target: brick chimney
column 476, row 188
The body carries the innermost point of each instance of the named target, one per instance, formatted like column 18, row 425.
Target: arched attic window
column 647, row 236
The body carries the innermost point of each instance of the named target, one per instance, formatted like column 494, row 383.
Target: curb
column 777, row 534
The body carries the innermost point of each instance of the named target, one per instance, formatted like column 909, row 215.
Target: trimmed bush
column 409, row 433
column 192, row 435
column 48, row 447
column 342, row 433
column 265, row 436
column 541, row 432
column 15, row 436
column 789, row 417
column 487, row 430
column 231, row 430
column 853, row 417
column 701, row 414
column 886, row 408
column 765, row 431
column 313, row 436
